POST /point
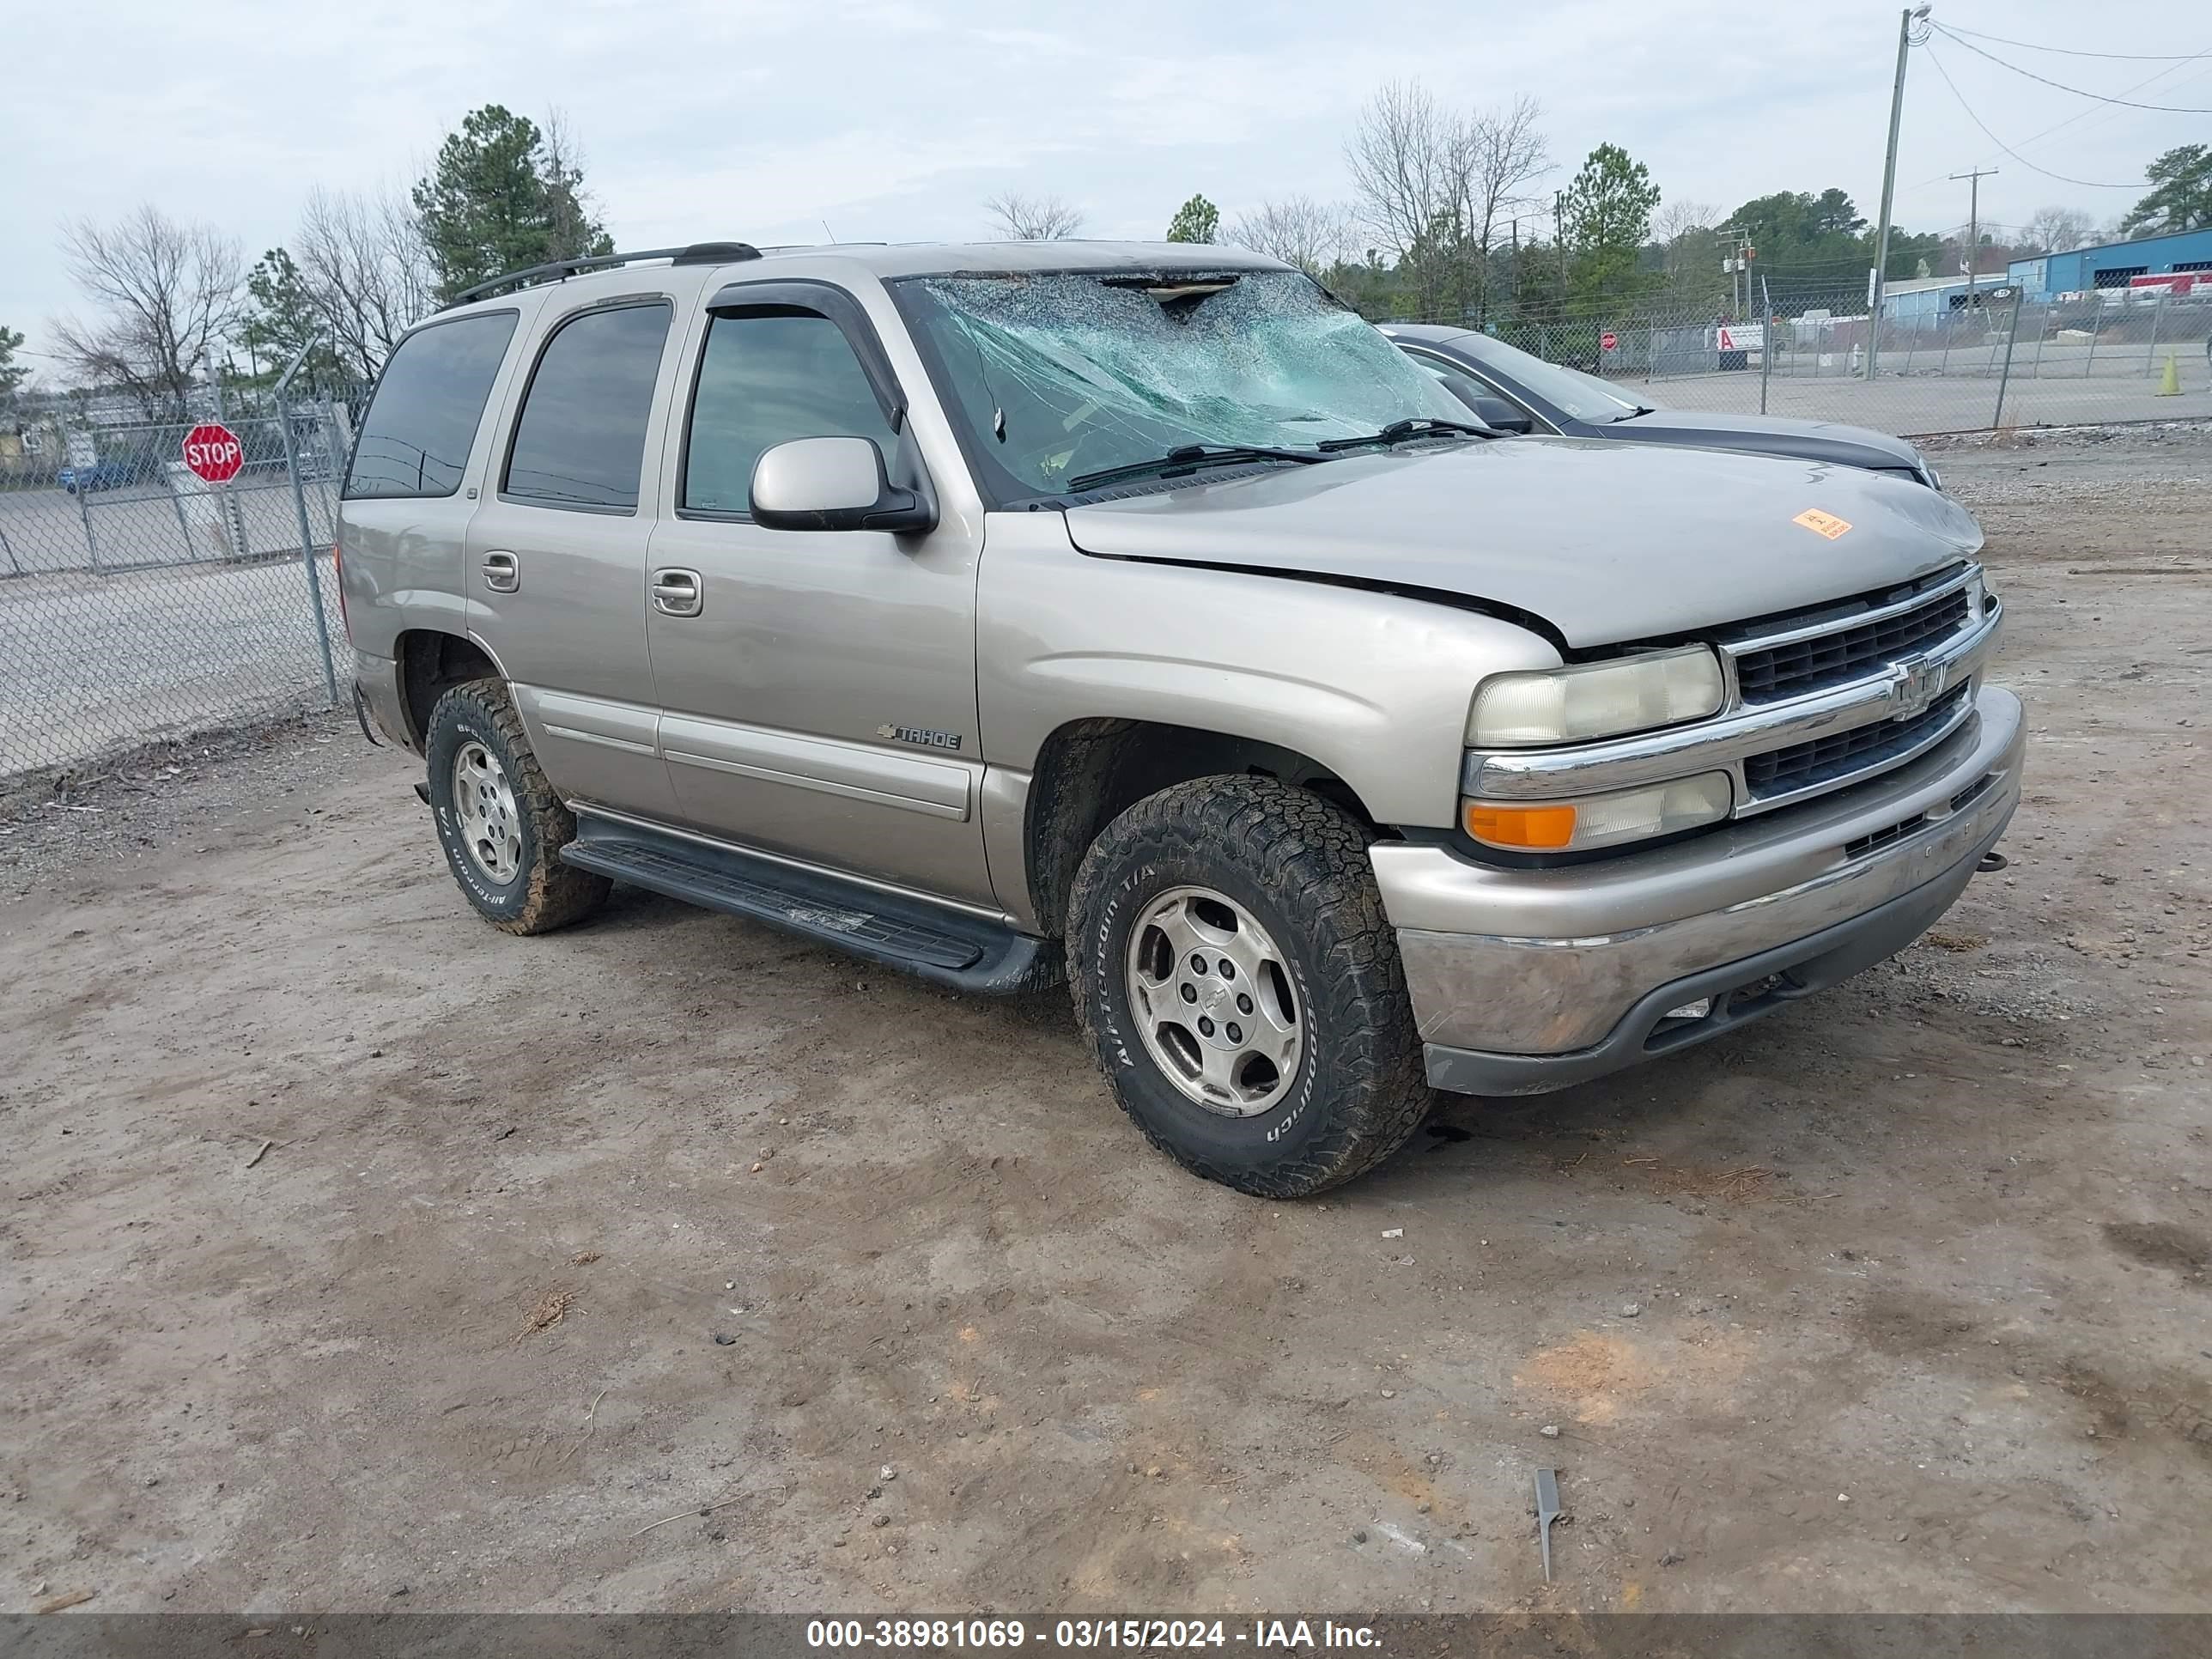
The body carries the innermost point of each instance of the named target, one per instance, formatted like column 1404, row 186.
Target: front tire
column 501, row 823
column 1242, row 987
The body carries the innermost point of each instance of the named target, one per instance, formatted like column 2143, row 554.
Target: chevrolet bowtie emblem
column 1917, row 683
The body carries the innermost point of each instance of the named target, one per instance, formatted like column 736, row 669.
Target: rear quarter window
column 415, row 439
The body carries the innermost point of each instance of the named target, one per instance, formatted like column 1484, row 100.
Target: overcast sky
column 763, row 119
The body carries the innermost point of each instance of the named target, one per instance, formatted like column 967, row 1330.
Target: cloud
column 895, row 119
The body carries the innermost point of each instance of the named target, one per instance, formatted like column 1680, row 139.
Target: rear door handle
column 677, row 593
column 502, row 572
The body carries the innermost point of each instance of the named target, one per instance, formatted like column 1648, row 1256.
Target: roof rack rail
column 559, row 271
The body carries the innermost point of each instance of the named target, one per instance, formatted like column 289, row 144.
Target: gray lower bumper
column 1740, row 992
column 376, row 699
column 1527, row 980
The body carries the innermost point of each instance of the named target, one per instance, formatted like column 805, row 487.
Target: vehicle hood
column 1606, row 542
column 1770, row 435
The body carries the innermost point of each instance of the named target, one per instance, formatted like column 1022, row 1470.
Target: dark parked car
column 110, row 472
column 1513, row 391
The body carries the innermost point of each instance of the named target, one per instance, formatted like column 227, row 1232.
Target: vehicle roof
column 884, row 261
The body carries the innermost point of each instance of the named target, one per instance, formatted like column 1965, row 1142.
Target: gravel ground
column 1898, row 1300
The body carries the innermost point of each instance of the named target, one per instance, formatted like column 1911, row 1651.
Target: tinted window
column 767, row 378
column 580, row 438
column 1460, row 386
column 415, row 438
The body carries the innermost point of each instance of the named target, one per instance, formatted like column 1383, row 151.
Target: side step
column 950, row 947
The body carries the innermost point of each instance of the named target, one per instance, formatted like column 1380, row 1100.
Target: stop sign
column 213, row 452
column 1608, row 342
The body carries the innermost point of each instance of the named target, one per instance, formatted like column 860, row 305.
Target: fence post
column 2096, row 327
column 2157, row 311
column 1765, row 340
column 176, row 502
column 84, row 512
column 308, row 556
column 1997, row 421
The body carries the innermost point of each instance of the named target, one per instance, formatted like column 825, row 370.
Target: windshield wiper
column 1189, row 456
column 1415, row 426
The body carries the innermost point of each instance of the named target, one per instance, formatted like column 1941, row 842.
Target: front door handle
column 677, row 593
column 502, row 572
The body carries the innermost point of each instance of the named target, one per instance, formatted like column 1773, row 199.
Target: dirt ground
column 1897, row 1301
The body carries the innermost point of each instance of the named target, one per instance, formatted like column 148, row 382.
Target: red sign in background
column 213, row 453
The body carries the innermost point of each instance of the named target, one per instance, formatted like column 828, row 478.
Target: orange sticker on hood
column 1823, row 524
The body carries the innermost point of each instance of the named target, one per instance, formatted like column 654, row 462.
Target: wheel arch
column 1090, row 771
column 431, row 662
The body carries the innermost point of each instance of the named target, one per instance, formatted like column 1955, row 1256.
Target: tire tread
column 1312, row 856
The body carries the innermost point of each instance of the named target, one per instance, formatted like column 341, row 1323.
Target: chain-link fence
column 1944, row 360
column 139, row 602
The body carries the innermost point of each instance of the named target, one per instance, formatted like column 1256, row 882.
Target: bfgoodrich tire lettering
column 1299, row 866
column 542, row 893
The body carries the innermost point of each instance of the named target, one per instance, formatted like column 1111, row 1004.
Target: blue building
column 2115, row 264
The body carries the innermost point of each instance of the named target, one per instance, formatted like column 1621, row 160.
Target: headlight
column 1595, row 700
column 1577, row 826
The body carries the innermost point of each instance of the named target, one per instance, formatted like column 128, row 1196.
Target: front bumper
column 1525, row 980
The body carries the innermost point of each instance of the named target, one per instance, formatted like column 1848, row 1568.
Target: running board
column 952, row 947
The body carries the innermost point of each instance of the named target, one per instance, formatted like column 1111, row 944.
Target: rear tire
column 501, row 823
column 1222, row 925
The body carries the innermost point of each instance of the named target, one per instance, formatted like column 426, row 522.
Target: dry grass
column 1957, row 944
column 1748, row 1182
column 549, row 1310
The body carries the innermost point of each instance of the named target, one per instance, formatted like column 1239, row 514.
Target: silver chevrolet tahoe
column 1137, row 615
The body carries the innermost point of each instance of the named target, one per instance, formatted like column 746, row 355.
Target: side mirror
column 1499, row 416
column 832, row 483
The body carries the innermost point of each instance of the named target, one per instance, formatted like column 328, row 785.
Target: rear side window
column 768, row 377
column 579, row 441
column 415, row 438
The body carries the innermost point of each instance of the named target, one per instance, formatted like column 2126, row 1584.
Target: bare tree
column 1506, row 153
column 1298, row 230
column 575, row 231
column 1407, row 160
column 1689, row 246
column 167, row 292
column 1676, row 218
column 1435, row 187
column 1019, row 218
column 2056, row 230
column 366, row 271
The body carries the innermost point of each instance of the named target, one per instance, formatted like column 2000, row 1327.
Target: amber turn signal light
column 1535, row 829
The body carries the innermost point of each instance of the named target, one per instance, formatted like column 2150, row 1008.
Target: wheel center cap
column 1214, row 999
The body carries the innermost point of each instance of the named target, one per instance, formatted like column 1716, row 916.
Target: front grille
column 1769, row 674
column 1825, row 760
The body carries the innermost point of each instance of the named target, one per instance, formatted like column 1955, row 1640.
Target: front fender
column 1372, row 686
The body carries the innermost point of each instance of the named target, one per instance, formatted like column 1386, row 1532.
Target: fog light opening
column 1697, row 1010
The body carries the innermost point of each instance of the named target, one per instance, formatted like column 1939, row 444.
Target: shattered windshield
column 1059, row 375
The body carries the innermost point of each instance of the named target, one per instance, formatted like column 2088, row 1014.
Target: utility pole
column 1737, row 264
column 1906, row 20
column 1560, row 236
column 1973, row 225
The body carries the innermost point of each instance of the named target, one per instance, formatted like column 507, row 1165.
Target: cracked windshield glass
column 1062, row 376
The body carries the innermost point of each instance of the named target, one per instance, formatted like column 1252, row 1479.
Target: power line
column 2163, row 109
column 2092, row 116
column 2086, row 184
column 2072, row 52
